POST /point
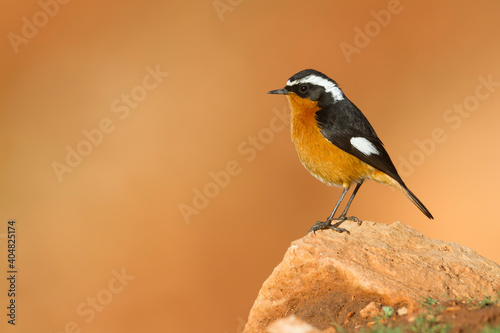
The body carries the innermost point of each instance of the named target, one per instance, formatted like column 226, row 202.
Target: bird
column 336, row 143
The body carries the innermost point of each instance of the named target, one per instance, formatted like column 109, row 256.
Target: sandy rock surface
column 328, row 276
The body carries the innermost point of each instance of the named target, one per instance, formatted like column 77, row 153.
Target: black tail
column 409, row 194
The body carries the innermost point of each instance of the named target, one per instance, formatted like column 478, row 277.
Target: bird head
column 313, row 85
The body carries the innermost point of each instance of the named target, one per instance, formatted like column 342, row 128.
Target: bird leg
column 327, row 224
column 342, row 216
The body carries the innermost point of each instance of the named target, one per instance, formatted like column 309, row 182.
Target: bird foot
column 341, row 219
column 328, row 224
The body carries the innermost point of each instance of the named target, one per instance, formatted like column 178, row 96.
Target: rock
column 291, row 324
column 402, row 312
column 325, row 276
column 373, row 309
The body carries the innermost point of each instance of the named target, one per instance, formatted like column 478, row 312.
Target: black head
column 312, row 84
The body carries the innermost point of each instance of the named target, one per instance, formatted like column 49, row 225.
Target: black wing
column 342, row 121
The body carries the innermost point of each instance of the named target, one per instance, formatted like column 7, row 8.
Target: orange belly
column 323, row 159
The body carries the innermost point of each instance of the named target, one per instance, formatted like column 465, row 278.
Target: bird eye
column 303, row 88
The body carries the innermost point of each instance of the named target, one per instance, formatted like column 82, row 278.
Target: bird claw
column 341, row 219
column 355, row 219
column 327, row 225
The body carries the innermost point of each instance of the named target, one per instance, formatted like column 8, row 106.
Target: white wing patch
column 329, row 86
column 364, row 146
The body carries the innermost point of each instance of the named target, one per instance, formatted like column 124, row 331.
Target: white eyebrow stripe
column 364, row 146
column 329, row 86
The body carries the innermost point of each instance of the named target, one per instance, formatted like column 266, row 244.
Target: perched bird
column 336, row 143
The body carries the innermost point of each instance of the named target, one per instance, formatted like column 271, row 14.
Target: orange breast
column 323, row 159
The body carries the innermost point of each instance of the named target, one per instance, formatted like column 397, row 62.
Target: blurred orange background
column 158, row 98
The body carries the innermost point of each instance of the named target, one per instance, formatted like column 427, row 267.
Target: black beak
column 279, row 92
